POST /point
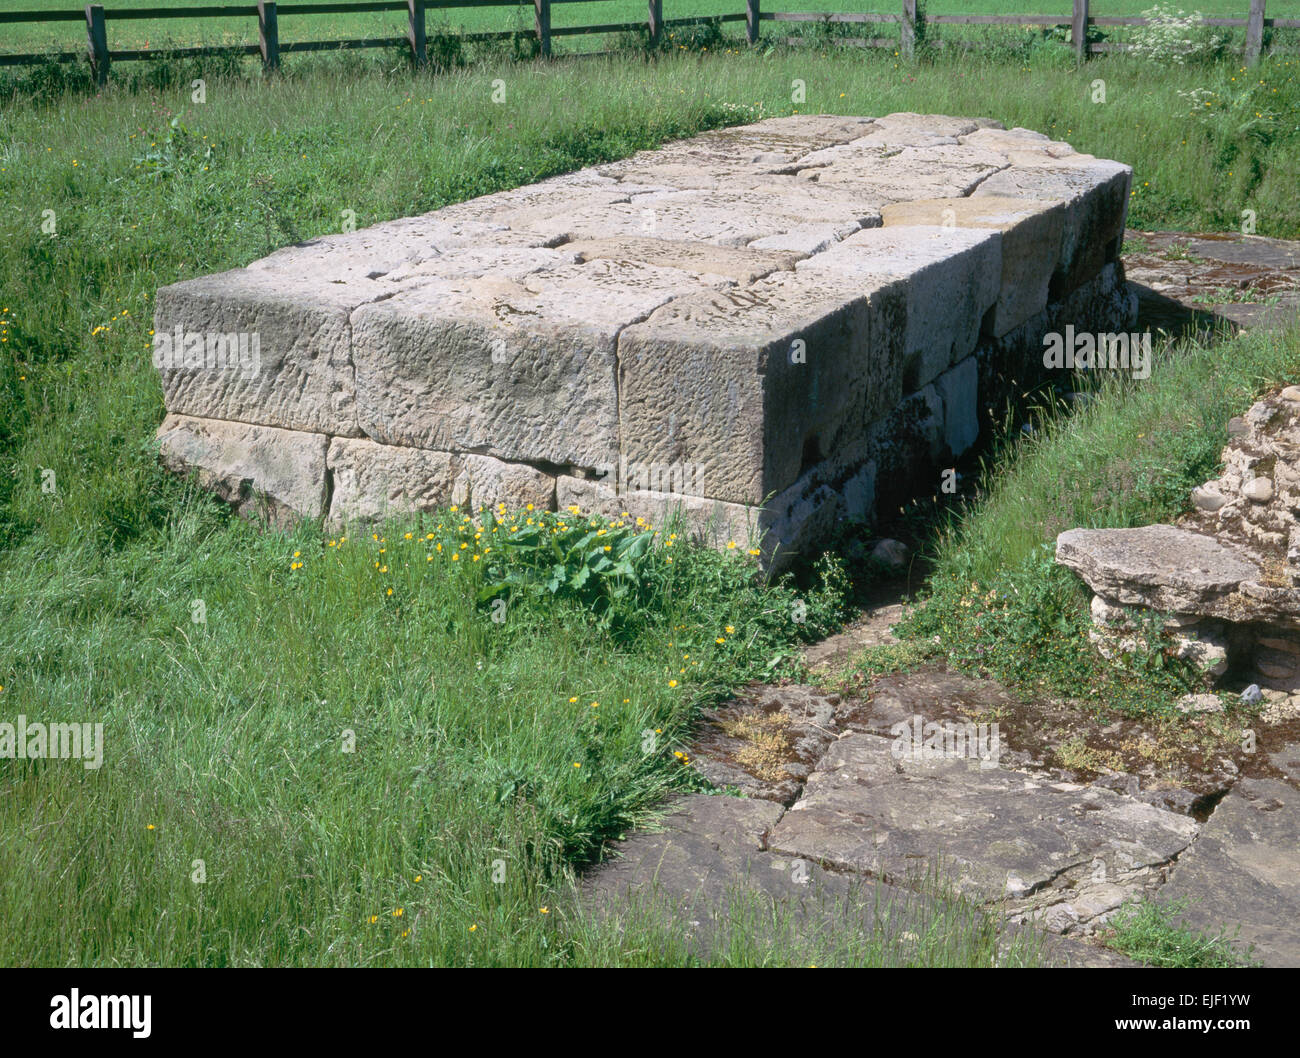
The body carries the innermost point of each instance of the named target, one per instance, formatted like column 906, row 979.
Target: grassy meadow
column 334, row 748
column 156, row 33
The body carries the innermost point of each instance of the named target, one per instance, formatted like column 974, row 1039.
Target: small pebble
column 1252, row 694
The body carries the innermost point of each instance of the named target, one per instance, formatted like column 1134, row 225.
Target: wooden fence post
column 656, row 20
column 543, row 8
column 415, row 34
column 751, row 21
column 97, row 43
column 907, row 29
column 268, row 35
column 1079, row 30
column 1254, row 32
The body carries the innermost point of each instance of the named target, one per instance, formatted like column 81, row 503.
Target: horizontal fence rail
column 268, row 14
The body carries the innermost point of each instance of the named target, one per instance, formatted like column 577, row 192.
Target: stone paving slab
column 1243, row 873
column 708, row 860
column 1001, row 834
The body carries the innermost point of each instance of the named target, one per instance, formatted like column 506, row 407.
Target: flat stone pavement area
column 833, row 819
column 1201, row 282
column 842, row 812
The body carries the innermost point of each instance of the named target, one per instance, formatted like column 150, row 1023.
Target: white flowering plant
column 1172, row 35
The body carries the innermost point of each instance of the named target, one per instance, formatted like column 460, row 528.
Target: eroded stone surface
column 1165, row 568
column 1242, row 876
column 766, row 741
column 1002, row 835
column 951, row 279
column 739, row 383
column 1030, row 245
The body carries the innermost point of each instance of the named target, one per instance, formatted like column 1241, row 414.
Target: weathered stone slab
column 376, row 251
column 729, row 265
column 288, row 317
column 491, row 260
column 959, row 391
column 257, row 469
column 290, row 366
column 807, row 239
column 372, row 481
column 708, row 870
column 521, row 370
column 733, row 158
column 1159, row 566
column 1243, row 872
column 694, row 215
column 584, row 188
column 935, row 124
column 765, row 742
column 486, row 482
column 1018, row 141
column 951, row 276
column 1002, row 835
column 716, row 380
column 1030, row 247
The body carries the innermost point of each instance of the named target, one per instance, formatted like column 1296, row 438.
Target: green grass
column 1004, row 41
column 136, row 33
column 1152, row 934
column 1129, row 457
column 226, row 736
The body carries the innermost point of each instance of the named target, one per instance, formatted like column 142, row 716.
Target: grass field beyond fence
column 159, row 33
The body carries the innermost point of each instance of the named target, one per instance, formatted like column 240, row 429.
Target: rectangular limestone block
column 936, row 124
column 556, row 195
column 1031, row 245
column 889, row 181
column 519, row 370
column 1018, row 141
column 959, row 391
column 808, row 239
column 373, row 480
column 733, row 158
column 271, row 343
column 258, row 469
column 714, row 523
column 1095, row 197
column 375, row 251
column 952, row 279
column 248, row 346
column 652, row 216
column 486, row 482
column 746, row 386
column 782, row 205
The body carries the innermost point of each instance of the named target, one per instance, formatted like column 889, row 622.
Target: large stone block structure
column 767, row 328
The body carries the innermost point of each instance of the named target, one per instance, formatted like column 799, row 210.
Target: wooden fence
column 270, row 49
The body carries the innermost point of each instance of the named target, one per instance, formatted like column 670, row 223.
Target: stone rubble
column 1226, row 576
